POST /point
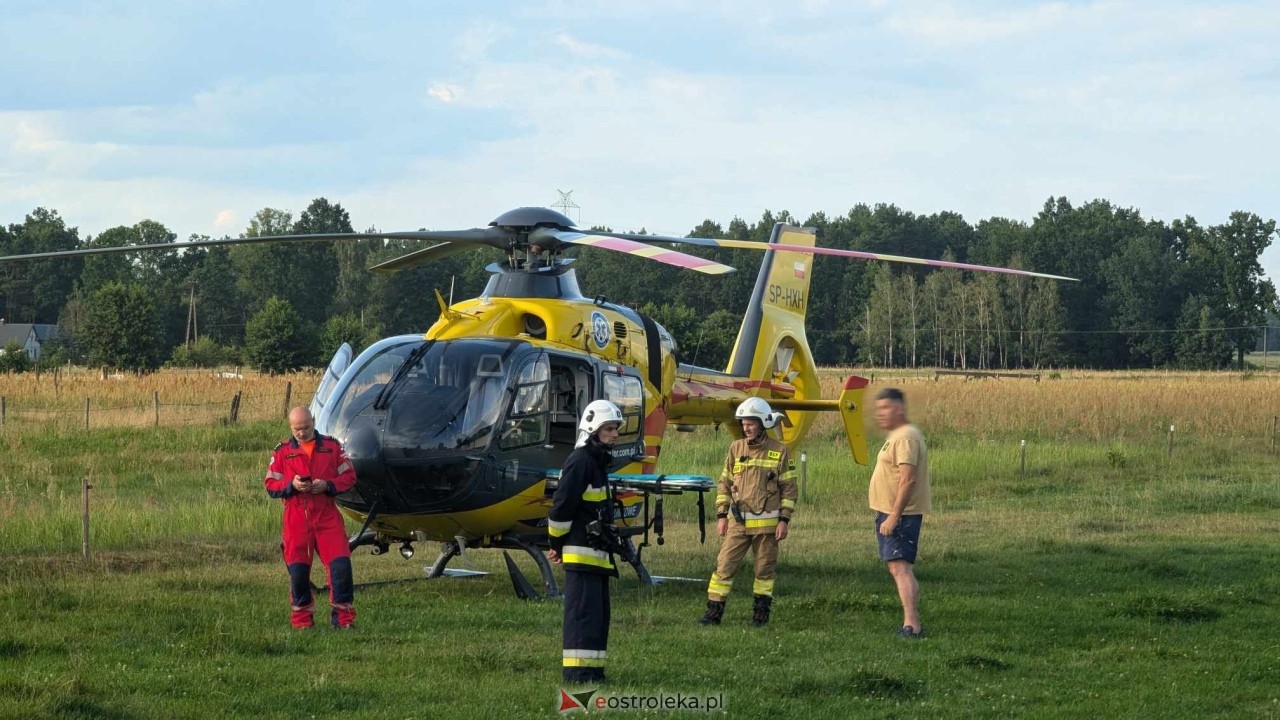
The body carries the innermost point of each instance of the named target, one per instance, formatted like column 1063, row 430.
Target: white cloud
column 586, row 49
column 474, row 43
column 225, row 220
column 951, row 25
column 445, row 92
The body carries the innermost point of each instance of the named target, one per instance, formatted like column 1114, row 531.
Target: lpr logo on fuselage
column 599, row 329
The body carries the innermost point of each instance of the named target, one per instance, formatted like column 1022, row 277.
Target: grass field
column 1113, row 580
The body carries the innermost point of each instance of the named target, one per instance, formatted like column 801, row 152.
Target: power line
column 1137, row 331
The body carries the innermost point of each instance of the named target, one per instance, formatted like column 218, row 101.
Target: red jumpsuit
column 312, row 524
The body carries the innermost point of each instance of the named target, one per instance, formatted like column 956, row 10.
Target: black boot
column 764, row 603
column 715, row 611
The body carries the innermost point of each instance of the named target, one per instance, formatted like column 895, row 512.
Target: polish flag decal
column 799, row 269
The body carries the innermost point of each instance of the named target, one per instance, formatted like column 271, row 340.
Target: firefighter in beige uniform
column 754, row 503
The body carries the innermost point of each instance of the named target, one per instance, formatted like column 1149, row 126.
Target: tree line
column 1151, row 294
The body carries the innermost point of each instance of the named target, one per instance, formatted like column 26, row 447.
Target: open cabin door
column 573, row 382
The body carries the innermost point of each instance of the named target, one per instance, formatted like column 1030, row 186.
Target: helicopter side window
column 627, row 393
column 527, row 424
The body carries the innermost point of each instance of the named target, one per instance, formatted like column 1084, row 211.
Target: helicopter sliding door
column 576, row 381
column 624, row 388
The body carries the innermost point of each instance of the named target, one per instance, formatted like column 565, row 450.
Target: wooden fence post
column 86, row 413
column 288, row 394
column 804, row 475
column 3, row 409
column 155, row 405
column 84, row 516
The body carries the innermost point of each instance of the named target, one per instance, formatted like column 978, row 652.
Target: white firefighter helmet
column 598, row 412
column 754, row 407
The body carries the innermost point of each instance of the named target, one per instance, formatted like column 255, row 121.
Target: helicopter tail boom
column 771, row 345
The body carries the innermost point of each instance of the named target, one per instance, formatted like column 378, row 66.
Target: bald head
column 301, row 424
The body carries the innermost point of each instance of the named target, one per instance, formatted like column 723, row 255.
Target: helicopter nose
column 363, row 445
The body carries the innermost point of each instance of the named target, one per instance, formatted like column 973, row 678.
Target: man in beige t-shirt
column 899, row 493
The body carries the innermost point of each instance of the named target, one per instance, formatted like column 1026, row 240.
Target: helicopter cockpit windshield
column 437, row 396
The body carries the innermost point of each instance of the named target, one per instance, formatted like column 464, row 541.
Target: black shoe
column 760, row 615
column 715, row 611
column 909, row 633
column 583, row 676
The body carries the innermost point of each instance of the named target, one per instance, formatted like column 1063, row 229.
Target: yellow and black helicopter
column 458, row 434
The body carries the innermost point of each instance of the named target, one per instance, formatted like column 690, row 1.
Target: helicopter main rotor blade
column 492, row 237
column 631, row 247
column 859, row 254
column 422, row 257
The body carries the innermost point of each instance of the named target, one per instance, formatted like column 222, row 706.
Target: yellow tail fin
column 772, row 347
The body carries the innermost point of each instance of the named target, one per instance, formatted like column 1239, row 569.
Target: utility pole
column 193, row 328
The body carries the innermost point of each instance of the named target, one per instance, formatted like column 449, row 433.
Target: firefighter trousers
column 764, row 548
column 586, row 626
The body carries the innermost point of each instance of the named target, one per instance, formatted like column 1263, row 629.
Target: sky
column 655, row 114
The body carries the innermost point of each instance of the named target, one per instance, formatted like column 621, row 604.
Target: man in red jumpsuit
column 306, row 473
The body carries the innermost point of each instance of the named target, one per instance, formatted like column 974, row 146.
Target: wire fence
column 155, row 411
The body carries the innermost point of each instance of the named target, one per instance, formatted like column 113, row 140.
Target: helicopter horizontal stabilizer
column 850, row 401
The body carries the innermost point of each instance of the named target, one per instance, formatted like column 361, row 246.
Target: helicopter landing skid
column 448, row 551
column 524, row 590
column 453, row 548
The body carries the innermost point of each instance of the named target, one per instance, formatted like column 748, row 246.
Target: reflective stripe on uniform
column 788, row 504
column 766, row 464
column 789, row 476
column 763, row 587
column 593, row 494
column 586, row 556
column 722, row 499
column 764, row 519
column 344, row 467
column 584, row 658
column 718, row 586
column 275, row 475
column 559, row 528
column 588, row 654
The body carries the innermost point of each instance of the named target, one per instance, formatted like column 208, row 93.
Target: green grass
column 1111, row 581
